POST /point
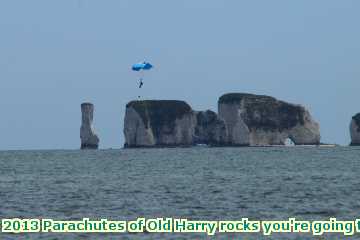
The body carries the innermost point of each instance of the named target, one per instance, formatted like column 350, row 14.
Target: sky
column 54, row 55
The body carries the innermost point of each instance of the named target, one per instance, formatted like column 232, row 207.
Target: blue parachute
column 142, row 66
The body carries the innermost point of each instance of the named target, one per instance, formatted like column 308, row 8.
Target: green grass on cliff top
column 237, row 97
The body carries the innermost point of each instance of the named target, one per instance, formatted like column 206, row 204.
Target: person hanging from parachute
column 141, row 67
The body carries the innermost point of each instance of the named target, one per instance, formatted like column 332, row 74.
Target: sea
column 199, row 183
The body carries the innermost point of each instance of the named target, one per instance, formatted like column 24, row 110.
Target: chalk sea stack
column 258, row 120
column 170, row 123
column 158, row 123
column 89, row 140
column 355, row 130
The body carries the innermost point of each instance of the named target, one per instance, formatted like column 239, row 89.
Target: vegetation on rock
column 265, row 112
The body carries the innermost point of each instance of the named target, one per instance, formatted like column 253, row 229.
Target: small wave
column 327, row 213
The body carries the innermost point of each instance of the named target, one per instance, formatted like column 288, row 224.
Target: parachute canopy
column 141, row 66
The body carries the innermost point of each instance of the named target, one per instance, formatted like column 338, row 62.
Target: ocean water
column 274, row 183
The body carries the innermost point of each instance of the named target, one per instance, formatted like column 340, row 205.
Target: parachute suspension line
column 141, row 83
column 142, row 75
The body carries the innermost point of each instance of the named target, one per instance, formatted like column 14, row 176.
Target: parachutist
column 141, row 67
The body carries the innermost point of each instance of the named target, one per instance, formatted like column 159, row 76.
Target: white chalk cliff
column 89, row 139
column 170, row 123
column 243, row 120
column 257, row 120
column 158, row 123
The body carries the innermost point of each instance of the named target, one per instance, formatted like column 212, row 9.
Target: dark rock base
column 158, row 146
column 89, row 146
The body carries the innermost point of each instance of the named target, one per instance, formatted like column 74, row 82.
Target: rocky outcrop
column 355, row 130
column 158, row 123
column 89, row 140
column 210, row 129
column 257, row 120
column 243, row 120
column 167, row 123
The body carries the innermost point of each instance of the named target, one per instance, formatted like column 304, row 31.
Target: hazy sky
column 54, row 55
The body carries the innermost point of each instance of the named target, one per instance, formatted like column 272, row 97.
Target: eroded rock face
column 210, row 129
column 156, row 123
column 257, row 120
column 162, row 123
column 89, row 140
column 243, row 120
column 355, row 130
